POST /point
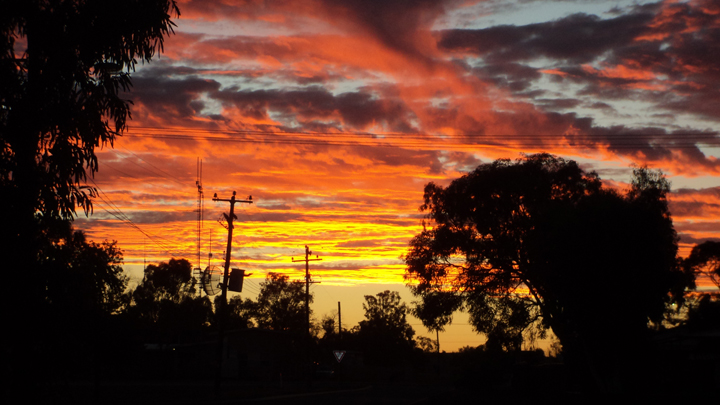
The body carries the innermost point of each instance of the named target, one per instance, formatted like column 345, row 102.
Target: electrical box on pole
column 236, row 279
column 221, row 310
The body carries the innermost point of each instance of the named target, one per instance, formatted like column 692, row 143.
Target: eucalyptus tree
column 538, row 243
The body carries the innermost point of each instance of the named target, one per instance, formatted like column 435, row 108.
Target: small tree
column 385, row 334
column 83, row 284
column 168, row 281
column 165, row 302
column 704, row 261
column 281, row 304
column 426, row 344
column 83, row 278
column 329, row 329
column 240, row 312
column 704, row 309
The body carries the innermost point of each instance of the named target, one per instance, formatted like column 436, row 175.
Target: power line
column 615, row 141
column 381, row 135
column 437, row 145
column 117, row 213
column 162, row 172
column 119, row 171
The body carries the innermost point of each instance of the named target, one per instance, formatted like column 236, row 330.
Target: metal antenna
column 200, row 218
column 200, row 208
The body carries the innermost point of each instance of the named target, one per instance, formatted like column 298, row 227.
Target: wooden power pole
column 222, row 311
column 307, row 261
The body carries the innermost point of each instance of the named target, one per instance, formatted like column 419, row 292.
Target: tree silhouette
column 426, row 344
column 165, row 304
column 64, row 65
column 281, row 304
column 61, row 97
column 84, row 287
column 384, row 334
column 704, row 309
column 539, row 243
column 704, row 260
column 168, row 281
column 82, row 277
column 240, row 312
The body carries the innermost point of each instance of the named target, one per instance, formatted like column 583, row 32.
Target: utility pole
column 229, row 219
column 339, row 322
column 223, row 302
column 307, row 261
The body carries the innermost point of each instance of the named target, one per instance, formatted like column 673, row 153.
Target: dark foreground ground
column 328, row 392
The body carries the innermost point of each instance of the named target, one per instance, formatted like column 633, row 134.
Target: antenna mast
column 200, row 207
column 200, row 217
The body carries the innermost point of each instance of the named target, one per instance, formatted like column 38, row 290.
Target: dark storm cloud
column 558, row 103
column 696, row 203
column 599, row 105
column 664, row 53
column 686, row 238
column 711, row 192
column 316, row 104
column 657, row 144
column 394, row 22
column 514, row 76
column 171, row 98
column 579, row 38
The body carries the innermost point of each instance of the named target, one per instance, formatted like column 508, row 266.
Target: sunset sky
column 333, row 115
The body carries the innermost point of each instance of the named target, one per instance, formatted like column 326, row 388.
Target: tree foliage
column 281, row 304
column 703, row 308
column 162, row 284
column 64, row 66
column 385, row 334
column 240, row 312
column 386, row 318
column 165, row 302
column 81, row 277
column 535, row 243
column 426, row 344
column 704, row 260
column 82, row 285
